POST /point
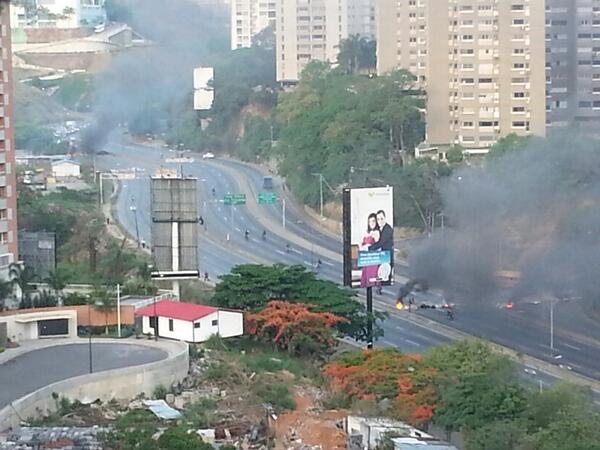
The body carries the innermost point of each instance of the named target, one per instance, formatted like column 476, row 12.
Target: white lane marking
column 308, row 263
column 328, row 263
column 296, row 251
column 391, row 344
column 237, row 229
column 572, row 346
column 280, row 252
column 416, row 344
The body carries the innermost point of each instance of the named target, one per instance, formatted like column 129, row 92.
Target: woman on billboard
column 369, row 273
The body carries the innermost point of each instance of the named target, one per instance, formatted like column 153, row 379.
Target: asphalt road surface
column 33, row 370
column 222, row 245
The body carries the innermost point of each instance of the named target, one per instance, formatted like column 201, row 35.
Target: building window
column 170, row 324
column 4, row 238
column 3, row 214
column 196, row 324
column 2, row 191
column 153, row 322
column 215, row 323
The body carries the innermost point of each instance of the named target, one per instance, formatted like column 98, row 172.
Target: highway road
column 39, row 368
column 520, row 329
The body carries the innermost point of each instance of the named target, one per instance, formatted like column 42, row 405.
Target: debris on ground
column 56, row 438
column 309, row 427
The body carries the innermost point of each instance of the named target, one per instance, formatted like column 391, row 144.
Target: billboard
column 204, row 93
column 174, row 227
column 368, row 237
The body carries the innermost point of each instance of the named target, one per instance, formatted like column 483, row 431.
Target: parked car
column 208, row 155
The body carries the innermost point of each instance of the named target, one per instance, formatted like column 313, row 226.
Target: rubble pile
column 56, row 438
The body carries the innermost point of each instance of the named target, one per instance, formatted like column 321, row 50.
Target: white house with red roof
column 190, row 322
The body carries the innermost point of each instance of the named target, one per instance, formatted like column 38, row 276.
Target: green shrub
column 277, row 394
column 2, row 349
column 160, row 392
column 218, row 371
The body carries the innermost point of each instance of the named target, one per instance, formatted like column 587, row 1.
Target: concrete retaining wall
column 122, row 383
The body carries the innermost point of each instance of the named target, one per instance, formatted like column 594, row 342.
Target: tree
column 57, row 282
column 500, row 435
column 387, row 373
column 104, row 302
column 356, row 53
column 455, row 154
column 117, row 12
column 477, row 386
column 508, row 144
column 265, row 39
column 294, row 328
column 250, row 287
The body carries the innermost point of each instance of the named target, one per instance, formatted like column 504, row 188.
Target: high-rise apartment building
column 248, row 18
column 573, row 64
column 8, row 184
column 59, row 14
column 481, row 63
column 308, row 30
column 361, row 18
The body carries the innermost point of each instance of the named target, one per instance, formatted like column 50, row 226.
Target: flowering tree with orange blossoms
column 295, row 328
column 387, row 373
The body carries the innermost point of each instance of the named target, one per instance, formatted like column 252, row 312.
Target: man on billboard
column 386, row 240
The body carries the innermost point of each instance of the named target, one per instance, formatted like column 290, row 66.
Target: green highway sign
column 234, row 199
column 267, row 198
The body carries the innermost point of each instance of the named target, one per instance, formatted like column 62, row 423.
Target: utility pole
column 551, row 325
column 320, row 175
column 118, row 310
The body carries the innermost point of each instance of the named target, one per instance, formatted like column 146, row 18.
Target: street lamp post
column 133, row 208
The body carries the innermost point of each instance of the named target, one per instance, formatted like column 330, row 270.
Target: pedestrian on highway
column 205, row 276
column 246, row 234
column 264, row 235
column 214, row 191
column 287, row 248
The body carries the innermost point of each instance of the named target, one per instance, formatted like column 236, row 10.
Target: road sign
column 234, row 199
column 267, row 198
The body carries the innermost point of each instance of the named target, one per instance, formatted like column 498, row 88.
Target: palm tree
column 22, row 276
column 57, row 282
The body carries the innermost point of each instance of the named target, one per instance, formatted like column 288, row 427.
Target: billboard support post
column 283, row 214
column 369, row 317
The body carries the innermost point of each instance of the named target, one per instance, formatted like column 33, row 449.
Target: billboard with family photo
column 368, row 220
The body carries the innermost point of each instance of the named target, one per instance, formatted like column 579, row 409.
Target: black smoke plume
column 534, row 211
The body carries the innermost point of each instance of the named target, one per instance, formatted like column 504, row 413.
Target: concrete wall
column 95, row 317
column 41, row 35
column 123, row 383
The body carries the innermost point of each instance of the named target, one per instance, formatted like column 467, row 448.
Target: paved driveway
column 33, row 370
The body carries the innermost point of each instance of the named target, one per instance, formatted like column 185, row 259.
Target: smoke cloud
column 534, row 211
column 145, row 85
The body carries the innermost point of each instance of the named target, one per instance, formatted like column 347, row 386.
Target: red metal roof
column 176, row 310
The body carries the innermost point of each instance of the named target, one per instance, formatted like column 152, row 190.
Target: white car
column 208, row 155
